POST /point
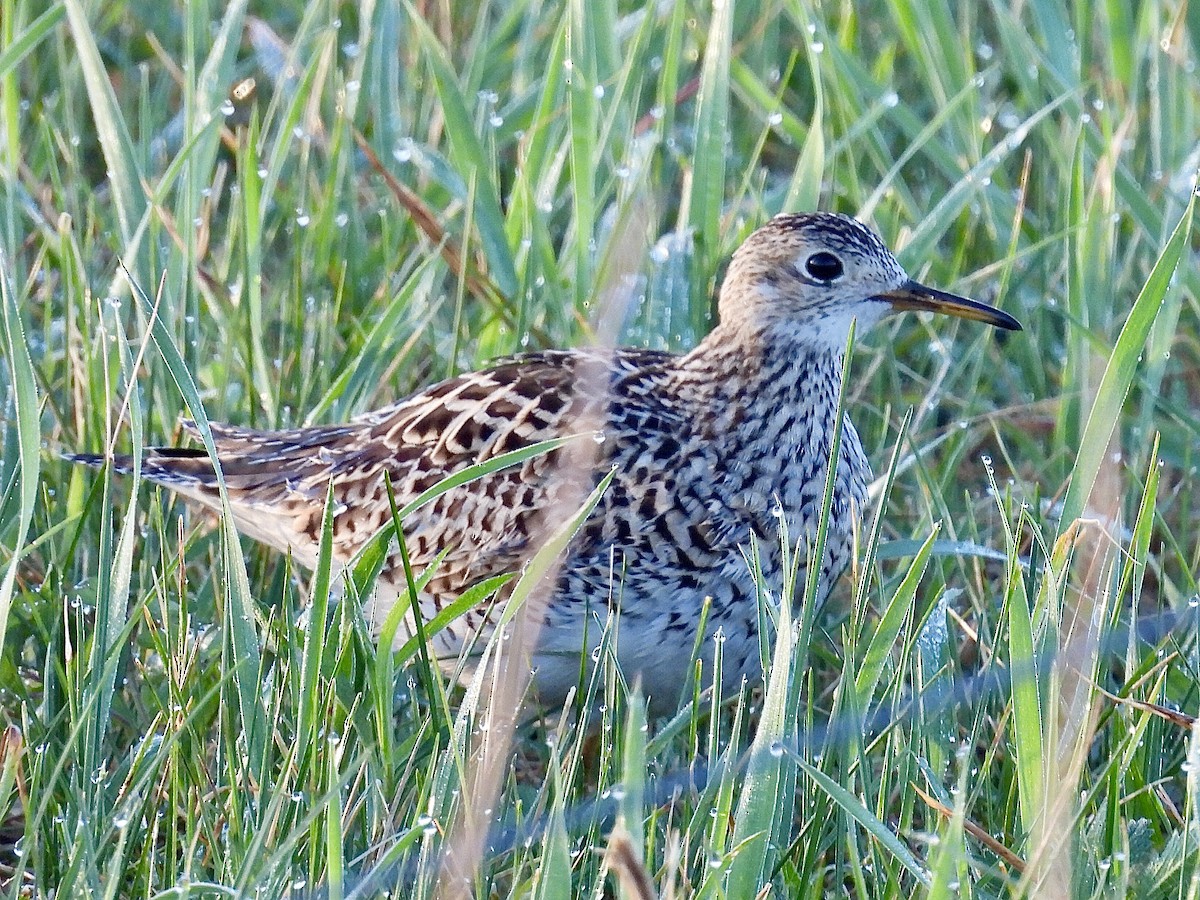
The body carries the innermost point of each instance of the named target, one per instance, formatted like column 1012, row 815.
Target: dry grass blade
column 980, row 834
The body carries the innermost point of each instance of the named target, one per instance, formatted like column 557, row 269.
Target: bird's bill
column 914, row 296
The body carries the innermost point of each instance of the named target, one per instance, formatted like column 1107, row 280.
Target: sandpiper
column 707, row 449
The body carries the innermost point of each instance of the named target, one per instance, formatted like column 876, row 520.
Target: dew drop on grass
column 776, row 749
column 775, row 118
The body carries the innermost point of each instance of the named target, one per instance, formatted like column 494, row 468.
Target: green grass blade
column 468, row 156
column 804, row 191
column 25, row 399
column 25, row 43
column 853, row 807
column 890, row 623
column 240, row 607
column 633, row 772
column 711, row 130
column 1028, row 718
column 124, row 173
column 1122, row 366
column 553, row 878
column 315, row 637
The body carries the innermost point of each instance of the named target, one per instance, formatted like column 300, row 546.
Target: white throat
column 831, row 330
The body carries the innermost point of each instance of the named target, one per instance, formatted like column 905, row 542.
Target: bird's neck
column 778, row 391
column 768, row 412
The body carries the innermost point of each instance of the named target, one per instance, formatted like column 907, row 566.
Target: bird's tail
column 189, row 471
column 261, row 467
column 259, row 492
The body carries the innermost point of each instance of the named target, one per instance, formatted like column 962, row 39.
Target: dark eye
column 824, row 266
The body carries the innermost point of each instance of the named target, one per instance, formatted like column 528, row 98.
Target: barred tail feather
column 185, row 470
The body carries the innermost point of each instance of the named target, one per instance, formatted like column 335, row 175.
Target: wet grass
column 289, row 220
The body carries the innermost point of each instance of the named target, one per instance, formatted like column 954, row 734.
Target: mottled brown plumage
column 707, row 449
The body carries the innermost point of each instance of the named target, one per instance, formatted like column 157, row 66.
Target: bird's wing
column 278, row 480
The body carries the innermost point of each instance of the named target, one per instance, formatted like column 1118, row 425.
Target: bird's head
column 806, row 276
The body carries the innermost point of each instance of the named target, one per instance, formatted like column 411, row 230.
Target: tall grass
column 286, row 220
